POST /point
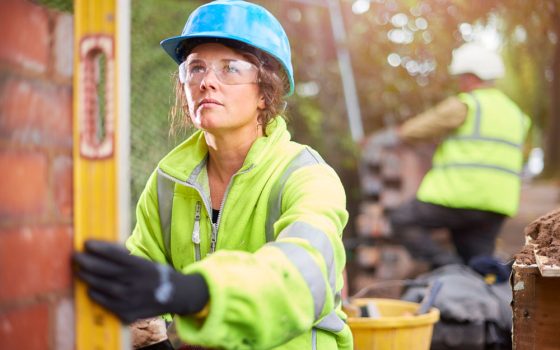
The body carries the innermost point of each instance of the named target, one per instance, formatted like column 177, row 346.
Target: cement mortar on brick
column 61, row 184
column 64, row 325
column 64, row 45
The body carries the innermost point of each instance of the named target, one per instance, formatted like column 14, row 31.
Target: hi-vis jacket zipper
column 196, row 227
column 215, row 226
column 196, row 231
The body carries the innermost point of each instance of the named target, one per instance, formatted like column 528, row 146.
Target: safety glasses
column 229, row 72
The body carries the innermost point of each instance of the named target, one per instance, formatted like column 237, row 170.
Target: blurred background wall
column 36, row 309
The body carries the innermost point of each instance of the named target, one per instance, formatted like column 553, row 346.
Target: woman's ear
column 262, row 102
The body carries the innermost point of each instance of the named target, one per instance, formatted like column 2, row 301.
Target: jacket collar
column 188, row 156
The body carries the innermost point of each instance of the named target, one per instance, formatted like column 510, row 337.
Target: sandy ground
column 537, row 199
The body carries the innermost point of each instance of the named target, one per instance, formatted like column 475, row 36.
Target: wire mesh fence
column 151, row 84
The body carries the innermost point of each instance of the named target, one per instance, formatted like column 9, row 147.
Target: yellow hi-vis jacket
column 479, row 165
column 274, row 260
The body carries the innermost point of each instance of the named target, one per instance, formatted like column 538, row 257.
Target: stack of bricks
column 390, row 175
column 36, row 306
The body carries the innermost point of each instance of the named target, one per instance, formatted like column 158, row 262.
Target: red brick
column 34, row 261
column 61, row 178
column 35, row 112
column 23, row 189
column 25, row 328
column 25, row 34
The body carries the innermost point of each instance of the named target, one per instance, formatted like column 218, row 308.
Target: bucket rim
column 426, row 319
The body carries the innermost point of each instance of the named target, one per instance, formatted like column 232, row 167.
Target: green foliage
column 60, row 5
column 531, row 34
column 524, row 84
column 313, row 117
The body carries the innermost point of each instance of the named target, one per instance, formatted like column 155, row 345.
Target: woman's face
column 220, row 102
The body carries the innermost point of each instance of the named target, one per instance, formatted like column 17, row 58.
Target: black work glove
column 163, row 345
column 134, row 288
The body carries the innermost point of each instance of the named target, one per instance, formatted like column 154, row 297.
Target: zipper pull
column 214, row 236
column 196, row 228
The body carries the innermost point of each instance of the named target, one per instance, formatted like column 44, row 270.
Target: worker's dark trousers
column 473, row 232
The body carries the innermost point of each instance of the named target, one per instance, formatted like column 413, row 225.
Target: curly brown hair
column 272, row 81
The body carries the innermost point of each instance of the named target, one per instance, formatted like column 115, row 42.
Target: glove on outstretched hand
column 133, row 288
column 387, row 137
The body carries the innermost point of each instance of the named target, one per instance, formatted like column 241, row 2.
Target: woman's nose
column 209, row 80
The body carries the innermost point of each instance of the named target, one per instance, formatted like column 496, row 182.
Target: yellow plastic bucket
column 397, row 328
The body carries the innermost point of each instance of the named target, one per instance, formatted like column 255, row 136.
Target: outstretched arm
column 435, row 123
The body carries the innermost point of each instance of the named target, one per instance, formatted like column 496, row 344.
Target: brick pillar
column 36, row 307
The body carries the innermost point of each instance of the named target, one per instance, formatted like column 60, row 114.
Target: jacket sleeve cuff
column 202, row 328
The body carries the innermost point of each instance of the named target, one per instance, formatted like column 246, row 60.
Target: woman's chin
column 205, row 126
column 201, row 123
column 205, row 122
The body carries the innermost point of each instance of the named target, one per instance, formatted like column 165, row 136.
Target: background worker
column 238, row 229
column 474, row 182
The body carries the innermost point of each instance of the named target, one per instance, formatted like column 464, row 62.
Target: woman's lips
column 207, row 102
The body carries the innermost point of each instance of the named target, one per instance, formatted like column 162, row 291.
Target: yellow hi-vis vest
column 479, row 165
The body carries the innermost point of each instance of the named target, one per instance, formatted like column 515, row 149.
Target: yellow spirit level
column 99, row 160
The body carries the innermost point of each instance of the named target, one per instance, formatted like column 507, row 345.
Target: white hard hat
column 478, row 60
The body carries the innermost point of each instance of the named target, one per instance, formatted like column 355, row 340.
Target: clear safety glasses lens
column 230, row 72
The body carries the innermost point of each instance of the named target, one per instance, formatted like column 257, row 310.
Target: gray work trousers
column 473, row 232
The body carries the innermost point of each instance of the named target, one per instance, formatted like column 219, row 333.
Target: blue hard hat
column 239, row 21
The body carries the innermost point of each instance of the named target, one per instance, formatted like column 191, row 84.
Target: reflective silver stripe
column 487, row 139
column 304, row 158
column 331, row 322
column 309, row 270
column 165, row 188
column 476, row 135
column 318, row 240
column 477, row 116
column 314, row 339
column 165, row 201
column 479, row 166
column 192, row 185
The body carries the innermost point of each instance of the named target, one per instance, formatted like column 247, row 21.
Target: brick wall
column 36, row 308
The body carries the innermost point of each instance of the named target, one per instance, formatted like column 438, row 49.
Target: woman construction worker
column 474, row 182
column 238, row 229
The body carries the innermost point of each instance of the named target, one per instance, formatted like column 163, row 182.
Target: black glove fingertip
column 104, row 302
column 95, row 245
column 77, row 258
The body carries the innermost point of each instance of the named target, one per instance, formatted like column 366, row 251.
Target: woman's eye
column 230, row 68
column 196, row 69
